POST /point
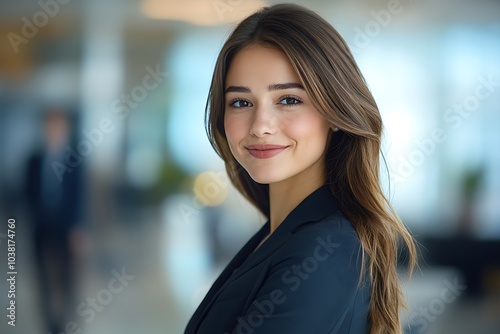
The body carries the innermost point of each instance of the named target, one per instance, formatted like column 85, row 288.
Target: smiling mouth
column 265, row 151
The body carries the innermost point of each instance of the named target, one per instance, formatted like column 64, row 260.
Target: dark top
column 302, row 280
column 54, row 202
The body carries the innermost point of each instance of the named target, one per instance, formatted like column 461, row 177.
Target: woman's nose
column 264, row 122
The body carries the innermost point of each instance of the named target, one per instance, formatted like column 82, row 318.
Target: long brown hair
column 338, row 90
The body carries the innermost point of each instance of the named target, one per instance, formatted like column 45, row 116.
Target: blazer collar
column 224, row 278
column 319, row 204
column 313, row 208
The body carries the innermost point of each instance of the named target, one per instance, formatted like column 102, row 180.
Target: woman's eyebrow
column 288, row 85
column 281, row 86
column 237, row 89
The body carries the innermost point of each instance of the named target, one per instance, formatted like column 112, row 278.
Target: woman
column 292, row 118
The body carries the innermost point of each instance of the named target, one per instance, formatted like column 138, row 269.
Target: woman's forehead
column 266, row 65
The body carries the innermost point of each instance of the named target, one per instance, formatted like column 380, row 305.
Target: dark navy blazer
column 302, row 280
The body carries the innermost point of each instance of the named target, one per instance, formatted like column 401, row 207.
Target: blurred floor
column 439, row 303
column 143, row 306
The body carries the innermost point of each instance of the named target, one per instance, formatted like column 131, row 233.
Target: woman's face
column 272, row 127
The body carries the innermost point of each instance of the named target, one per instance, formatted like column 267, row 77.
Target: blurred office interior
column 155, row 206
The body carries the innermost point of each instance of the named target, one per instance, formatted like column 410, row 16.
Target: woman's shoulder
column 332, row 234
column 335, row 224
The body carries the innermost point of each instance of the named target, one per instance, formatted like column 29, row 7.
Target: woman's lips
column 265, row 151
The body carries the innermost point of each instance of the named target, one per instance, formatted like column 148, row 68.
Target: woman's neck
column 284, row 196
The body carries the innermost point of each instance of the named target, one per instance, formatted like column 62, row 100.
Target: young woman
column 291, row 116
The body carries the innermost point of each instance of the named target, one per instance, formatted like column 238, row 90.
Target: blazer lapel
column 224, row 278
column 315, row 207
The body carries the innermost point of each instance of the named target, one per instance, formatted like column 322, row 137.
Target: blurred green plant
column 471, row 181
column 172, row 179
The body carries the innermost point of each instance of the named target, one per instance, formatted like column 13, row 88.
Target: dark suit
column 302, row 280
column 55, row 207
column 65, row 209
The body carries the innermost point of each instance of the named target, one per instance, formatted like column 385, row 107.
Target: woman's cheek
column 234, row 130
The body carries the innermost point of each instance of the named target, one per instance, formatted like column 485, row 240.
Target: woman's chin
column 265, row 178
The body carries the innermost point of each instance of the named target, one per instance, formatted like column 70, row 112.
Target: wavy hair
column 328, row 72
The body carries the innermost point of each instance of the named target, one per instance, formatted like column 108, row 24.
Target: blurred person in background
column 54, row 197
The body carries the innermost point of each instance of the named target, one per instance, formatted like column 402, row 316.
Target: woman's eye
column 240, row 104
column 290, row 101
